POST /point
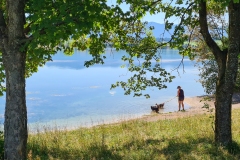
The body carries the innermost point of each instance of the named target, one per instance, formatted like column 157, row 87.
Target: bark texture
column 227, row 61
column 15, row 124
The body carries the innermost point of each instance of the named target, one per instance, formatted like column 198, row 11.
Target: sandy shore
column 196, row 107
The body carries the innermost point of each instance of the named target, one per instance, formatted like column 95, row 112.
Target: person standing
column 180, row 95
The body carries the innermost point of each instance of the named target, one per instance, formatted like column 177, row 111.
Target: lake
column 64, row 93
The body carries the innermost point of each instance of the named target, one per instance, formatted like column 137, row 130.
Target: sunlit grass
column 183, row 138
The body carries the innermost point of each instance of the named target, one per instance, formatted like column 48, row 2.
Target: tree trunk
column 223, row 134
column 15, row 124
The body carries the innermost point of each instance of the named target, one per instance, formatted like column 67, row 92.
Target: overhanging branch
column 205, row 31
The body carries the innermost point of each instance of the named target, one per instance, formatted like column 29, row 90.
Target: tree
column 195, row 14
column 32, row 31
column 13, row 61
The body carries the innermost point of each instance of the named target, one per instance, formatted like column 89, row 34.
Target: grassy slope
column 186, row 138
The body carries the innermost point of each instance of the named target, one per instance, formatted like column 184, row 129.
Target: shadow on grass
column 92, row 152
column 201, row 148
column 189, row 148
column 234, row 149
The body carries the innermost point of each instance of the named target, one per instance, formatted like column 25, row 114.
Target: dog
column 157, row 107
column 160, row 105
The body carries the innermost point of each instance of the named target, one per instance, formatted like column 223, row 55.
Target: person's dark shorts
column 180, row 98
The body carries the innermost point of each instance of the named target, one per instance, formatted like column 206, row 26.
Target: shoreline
column 195, row 108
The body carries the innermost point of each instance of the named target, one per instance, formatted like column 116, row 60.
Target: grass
column 184, row 138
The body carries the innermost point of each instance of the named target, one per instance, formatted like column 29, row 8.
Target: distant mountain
column 159, row 30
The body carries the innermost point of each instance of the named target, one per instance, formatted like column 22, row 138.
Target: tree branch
column 177, row 27
column 205, row 32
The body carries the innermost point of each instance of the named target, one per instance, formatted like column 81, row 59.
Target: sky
column 158, row 18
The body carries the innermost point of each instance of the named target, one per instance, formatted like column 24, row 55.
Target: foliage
column 185, row 138
column 92, row 25
column 206, row 62
column 64, row 25
column 51, row 26
column 208, row 73
column 142, row 60
column 187, row 38
column 140, row 79
column 94, row 32
column 143, row 48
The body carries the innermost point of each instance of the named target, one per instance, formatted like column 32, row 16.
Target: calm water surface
column 64, row 93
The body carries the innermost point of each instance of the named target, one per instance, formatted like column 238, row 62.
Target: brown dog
column 160, row 105
column 157, row 107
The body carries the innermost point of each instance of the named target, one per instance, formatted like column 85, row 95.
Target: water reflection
column 66, row 92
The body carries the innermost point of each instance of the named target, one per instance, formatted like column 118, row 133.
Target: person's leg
column 183, row 106
column 179, row 105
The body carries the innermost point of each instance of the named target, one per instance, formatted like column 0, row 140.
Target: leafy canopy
column 56, row 25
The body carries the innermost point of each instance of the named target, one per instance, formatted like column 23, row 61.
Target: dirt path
column 195, row 104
